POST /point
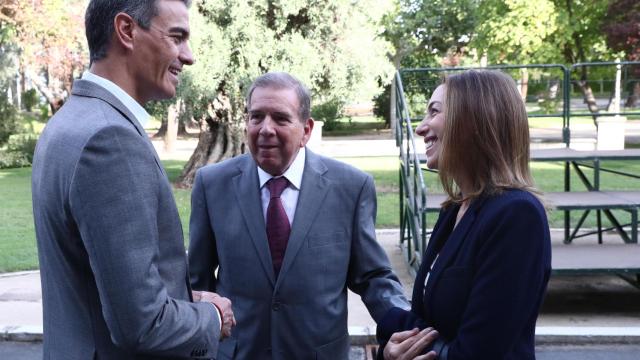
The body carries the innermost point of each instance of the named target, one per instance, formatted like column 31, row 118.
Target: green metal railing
column 413, row 191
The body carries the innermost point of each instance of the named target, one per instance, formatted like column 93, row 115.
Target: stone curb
column 18, row 273
column 21, row 333
column 364, row 335
column 561, row 335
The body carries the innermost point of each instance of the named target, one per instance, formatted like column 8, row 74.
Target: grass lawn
column 355, row 125
column 556, row 122
column 17, row 239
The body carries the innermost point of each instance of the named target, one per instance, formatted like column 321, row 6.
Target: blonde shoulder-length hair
column 486, row 136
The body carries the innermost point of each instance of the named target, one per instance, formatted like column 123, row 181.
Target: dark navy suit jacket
column 486, row 287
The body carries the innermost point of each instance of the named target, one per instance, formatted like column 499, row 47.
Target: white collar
column 293, row 173
column 130, row 103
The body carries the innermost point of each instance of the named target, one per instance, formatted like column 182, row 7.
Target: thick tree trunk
column 162, row 131
column 220, row 138
column 218, row 141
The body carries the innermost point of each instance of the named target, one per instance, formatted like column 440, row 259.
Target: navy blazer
column 486, row 287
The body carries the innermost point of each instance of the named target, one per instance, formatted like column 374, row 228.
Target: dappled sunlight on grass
column 17, row 237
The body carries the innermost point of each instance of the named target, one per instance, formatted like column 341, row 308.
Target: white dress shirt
column 289, row 196
column 130, row 103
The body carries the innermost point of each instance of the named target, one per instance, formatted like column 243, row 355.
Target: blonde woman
column 483, row 276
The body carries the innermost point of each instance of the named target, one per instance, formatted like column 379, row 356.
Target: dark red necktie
column 278, row 227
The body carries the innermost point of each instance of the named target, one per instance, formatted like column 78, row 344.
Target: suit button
column 275, row 306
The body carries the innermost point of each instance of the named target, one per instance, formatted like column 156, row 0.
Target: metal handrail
column 413, row 191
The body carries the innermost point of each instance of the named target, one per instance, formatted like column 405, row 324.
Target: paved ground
column 33, row 351
column 575, row 305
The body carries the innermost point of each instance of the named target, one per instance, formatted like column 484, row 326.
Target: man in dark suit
column 112, row 258
column 288, row 231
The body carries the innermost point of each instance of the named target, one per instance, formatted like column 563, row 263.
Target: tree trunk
column 554, row 86
column 55, row 101
column 634, row 97
column 587, row 95
column 218, row 141
column 17, row 93
column 182, row 128
column 162, row 132
column 171, row 136
column 392, row 106
column 524, row 84
column 220, row 138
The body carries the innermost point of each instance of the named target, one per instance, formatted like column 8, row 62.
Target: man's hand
column 223, row 305
column 410, row 344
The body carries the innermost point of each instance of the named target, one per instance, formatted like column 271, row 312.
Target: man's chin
column 269, row 166
column 163, row 95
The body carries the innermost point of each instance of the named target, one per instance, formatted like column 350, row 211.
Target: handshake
column 224, row 307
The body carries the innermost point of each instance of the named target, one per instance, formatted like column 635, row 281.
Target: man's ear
column 124, row 28
column 308, row 128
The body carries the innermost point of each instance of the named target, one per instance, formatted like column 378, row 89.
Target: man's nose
column 186, row 56
column 267, row 126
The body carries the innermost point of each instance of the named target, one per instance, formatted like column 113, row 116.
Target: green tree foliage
column 8, row 119
column 423, row 31
column 516, row 31
column 330, row 45
column 541, row 31
column 8, row 11
column 422, row 34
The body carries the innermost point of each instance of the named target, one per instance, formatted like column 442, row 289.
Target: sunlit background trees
column 345, row 50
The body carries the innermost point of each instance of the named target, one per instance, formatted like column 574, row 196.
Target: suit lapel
column 247, row 191
column 89, row 89
column 313, row 190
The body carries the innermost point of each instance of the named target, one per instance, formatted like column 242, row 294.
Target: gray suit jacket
column 301, row 314
column 112, row 258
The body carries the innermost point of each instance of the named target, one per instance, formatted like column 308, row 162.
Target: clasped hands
column 223, row 305
column 408, row 345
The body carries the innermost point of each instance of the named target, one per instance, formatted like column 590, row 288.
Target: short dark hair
column 98, row 21
column 283, row 80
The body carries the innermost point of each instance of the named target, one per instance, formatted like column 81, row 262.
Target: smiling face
column 432, row 126
column 161, row 51
column 274, row 129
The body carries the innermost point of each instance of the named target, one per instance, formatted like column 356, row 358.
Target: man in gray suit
column 113, row 265
column 288, row 231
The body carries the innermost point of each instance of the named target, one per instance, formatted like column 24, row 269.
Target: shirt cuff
column 219, row 313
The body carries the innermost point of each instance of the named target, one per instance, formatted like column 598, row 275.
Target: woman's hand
column 410, row 344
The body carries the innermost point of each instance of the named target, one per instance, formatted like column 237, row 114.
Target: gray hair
column 283, row 80
column 98, row 21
